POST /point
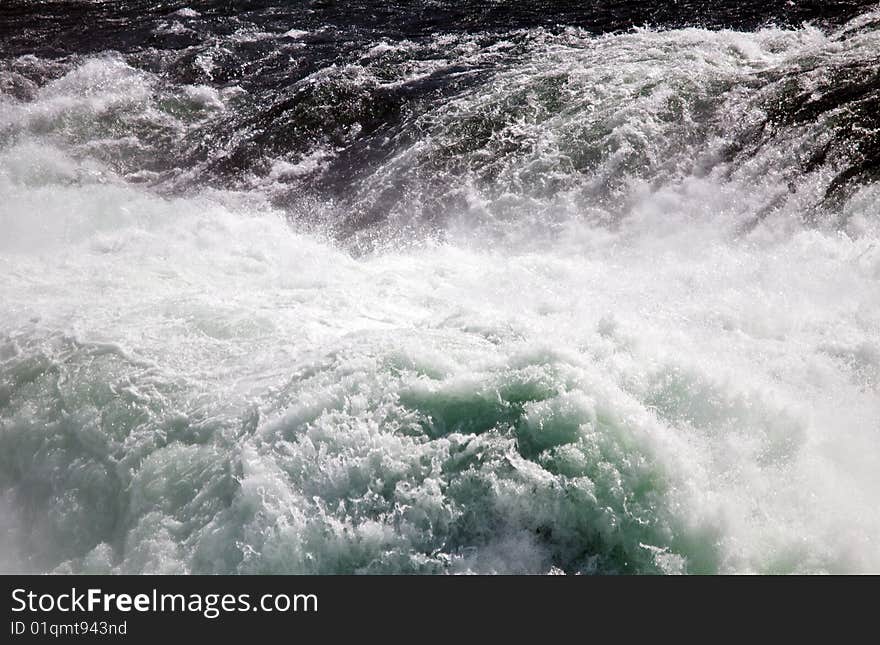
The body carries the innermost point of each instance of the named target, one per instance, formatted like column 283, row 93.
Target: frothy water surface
column 522, row 299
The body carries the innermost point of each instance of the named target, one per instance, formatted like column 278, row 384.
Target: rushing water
column 439, row 287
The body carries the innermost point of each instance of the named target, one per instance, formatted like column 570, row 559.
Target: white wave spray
column 635, row 365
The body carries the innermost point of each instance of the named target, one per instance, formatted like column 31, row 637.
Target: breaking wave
column 281, row 295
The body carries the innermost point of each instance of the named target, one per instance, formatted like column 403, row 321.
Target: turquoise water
column 625, row 350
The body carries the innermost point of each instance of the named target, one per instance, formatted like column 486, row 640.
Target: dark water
column 434, row 287
column 60, row 28
column 285, row 110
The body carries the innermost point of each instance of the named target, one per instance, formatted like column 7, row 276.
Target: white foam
column 295, row 33
column 245, row 397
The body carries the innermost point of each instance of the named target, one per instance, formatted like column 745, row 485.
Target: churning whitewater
column 289, row 290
